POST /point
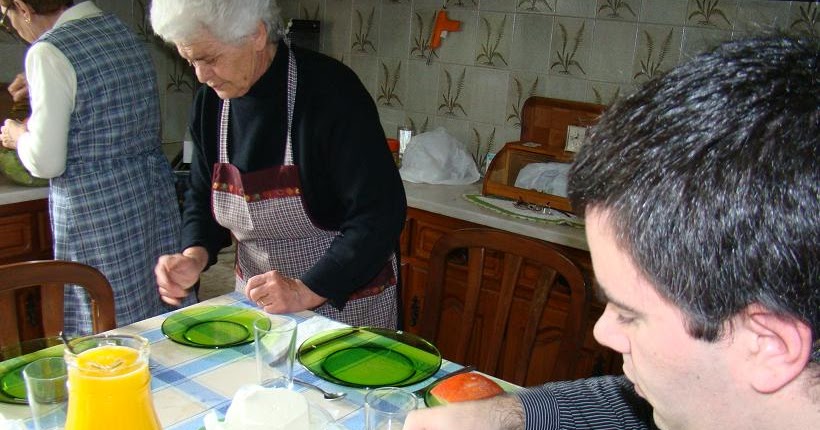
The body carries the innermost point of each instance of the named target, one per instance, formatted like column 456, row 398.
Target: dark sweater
column 349, row 180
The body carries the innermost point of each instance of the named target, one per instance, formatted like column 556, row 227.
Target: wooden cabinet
column 25, row 234
column 422, row 230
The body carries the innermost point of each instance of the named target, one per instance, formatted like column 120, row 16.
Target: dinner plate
column 369, row 357
column 215, row 326
column 12, row 385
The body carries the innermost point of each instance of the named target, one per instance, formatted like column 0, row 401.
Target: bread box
column 545, row 125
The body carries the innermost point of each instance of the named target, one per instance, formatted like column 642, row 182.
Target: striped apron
column 265, row 212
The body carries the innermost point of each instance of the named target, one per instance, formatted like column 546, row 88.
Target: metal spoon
column 67, row 345
column 327, row 395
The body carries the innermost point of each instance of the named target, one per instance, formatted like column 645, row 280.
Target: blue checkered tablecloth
column 189, row 382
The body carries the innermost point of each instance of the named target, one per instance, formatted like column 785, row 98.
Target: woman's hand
column 18, row 88
column 278, row 294
column 10, row 132
column 177, row 273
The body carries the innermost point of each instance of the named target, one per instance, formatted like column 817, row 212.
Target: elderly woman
column 94, row 131
column 290, row 159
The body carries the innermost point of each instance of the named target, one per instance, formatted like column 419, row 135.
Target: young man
column 700, row 194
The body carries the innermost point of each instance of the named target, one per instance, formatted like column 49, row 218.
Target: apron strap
column 226, row 113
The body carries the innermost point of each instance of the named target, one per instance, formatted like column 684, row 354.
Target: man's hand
column 498, row 413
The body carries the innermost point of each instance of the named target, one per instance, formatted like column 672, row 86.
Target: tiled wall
column 507, row 50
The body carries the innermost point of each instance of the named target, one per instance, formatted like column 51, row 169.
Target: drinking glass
column 275, row 340
column 47, row 393
column 386, row 408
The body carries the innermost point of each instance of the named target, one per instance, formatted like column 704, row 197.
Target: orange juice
column 109, row 386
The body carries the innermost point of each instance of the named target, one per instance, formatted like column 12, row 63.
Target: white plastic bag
column 436, row 157
column 549, row 178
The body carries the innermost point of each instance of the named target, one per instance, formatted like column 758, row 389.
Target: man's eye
column 622, row 319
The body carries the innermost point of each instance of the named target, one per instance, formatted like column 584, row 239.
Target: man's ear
column 779, row 348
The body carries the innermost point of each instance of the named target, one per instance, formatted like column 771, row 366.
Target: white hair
column 179, row 21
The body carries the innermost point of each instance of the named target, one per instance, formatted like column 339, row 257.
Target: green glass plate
column 369, row 357
column 12, row 386
column 215, row 326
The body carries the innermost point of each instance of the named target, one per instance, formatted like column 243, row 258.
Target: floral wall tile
column 536, row 6
column 421, row 27
column 569, row 50
column 485, row 140
column 523, row 85
column 805, row 18
column 392, row 83
column 453, row 98
column 627, row 10
column 711, row 13
column 612, row 51
column 658, row 51
column 529, row 49
column 493, row 42
column 578, row 8
column 365, row 29
column 664, row 11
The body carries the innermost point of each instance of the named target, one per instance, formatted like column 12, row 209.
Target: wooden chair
column 49, row 277
column 490, row 309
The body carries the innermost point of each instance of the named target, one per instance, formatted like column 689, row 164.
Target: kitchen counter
column 444, row 200
column 13, row 193
column 448, row 200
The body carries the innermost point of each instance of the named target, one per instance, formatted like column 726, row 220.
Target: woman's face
column 230, row 69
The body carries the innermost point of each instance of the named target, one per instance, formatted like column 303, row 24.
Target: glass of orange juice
column 109, row 382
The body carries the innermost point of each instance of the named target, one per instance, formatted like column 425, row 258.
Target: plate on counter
column 15, row 358
column 215, row 326
column 369, row 357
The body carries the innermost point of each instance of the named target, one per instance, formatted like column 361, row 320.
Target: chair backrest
column 50, row 277
column 491, row 310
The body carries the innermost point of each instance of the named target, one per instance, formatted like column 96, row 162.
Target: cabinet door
column 25, row 235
